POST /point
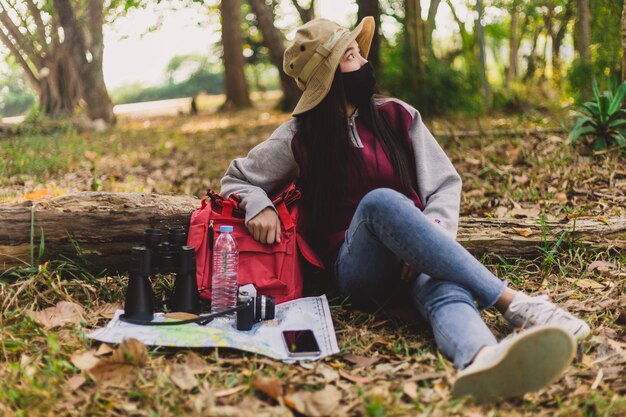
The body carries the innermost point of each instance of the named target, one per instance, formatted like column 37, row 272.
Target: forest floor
column 388, row 365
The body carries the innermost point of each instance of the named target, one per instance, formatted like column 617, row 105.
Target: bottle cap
column 226, row 228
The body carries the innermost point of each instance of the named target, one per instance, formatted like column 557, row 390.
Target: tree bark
column 414, row 39
column 106, row 225
column 306, row 14
column 274, row 41
column 511, row 71
column 87, row 54
column 583, row 26
column 372, row 8
column 624, row 43
column 481, row 47
column 237, row 96
column 430, row 26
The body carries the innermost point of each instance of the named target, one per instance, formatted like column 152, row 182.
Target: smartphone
column 301, row 343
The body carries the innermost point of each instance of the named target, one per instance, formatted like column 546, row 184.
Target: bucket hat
column 315, row 53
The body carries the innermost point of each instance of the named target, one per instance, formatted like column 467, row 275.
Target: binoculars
column 172, row 256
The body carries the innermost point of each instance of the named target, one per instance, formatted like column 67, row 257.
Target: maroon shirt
column 380, row 171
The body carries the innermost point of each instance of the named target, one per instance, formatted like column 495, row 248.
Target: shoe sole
column 538, row 357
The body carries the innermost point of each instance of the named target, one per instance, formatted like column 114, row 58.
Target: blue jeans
column 387, row 229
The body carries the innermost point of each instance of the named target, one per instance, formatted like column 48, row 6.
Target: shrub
column 603, row 120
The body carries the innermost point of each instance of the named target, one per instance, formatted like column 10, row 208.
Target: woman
column 381, row 201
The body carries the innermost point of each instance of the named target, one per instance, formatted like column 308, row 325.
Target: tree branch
column 30, row 75
column 305, row 14
column 19, row 39
column 36, row 14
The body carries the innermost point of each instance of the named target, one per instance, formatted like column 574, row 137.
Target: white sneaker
column 525, row 362
column 526, row 311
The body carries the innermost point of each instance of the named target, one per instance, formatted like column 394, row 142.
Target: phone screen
column 301, row 343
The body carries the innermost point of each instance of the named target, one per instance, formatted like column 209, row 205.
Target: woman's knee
column 380, row 200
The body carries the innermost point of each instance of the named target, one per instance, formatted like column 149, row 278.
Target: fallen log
column 498, row 132
column 102, row 227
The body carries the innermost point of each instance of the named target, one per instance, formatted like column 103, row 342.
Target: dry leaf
column 521, row 179
column 523, row 231
column 410, row 389
column 114, row 374
column 76, row 382
column 179, row 315
column 601, row 266
column 108, row 310
column 84, row 360
column 196, row 364
column 519, row 212
column 360, row 361
column 120, row 369
column 561, row 197
column 64, row 312
column 586, row 283
column 272, row 387
column 130, row 351
column 603, row 220
column 500, row 212
column 315, row 404
column 37, row 194
column 230, row 391
column 104, row 349
column 183, row 377
column 361, row 380
column 328, row 373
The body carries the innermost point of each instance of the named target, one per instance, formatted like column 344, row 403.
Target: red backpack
column 274, row 269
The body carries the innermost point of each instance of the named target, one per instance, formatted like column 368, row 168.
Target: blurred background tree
column 490, row 55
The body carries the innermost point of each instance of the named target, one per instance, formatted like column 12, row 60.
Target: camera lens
column 266, row 307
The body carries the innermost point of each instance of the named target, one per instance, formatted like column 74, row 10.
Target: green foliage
column 603, row 119
column 187, row 75
column 445, row 89
column 16, row 97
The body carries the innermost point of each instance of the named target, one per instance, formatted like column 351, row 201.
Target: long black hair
column 328, row 153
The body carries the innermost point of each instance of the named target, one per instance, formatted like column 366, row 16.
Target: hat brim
column 319, row 84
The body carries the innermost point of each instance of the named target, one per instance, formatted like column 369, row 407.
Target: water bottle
column 225, row 265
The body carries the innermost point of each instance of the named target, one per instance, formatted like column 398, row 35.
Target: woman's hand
column 265, row 226
column 408, row 274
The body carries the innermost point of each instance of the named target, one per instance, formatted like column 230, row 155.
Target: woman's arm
column 438, row 183
column 269, row 166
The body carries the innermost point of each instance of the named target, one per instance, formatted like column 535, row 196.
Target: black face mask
column 359, row 85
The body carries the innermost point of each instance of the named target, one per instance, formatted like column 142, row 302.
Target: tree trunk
column 557, row 41
column 237, row 96
column 430, row 26
column 511, row 71
column 414, row 39
column 306, row 14
column 274, row 41
column 87, row 55
column 583, row 44
column 481, row 47
column 104, row 226
column 624, row 43
column 583, row 26
column 372, row 8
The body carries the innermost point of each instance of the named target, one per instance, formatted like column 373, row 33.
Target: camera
column 253, row 308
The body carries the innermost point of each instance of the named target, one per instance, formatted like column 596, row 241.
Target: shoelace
column 539, row 305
